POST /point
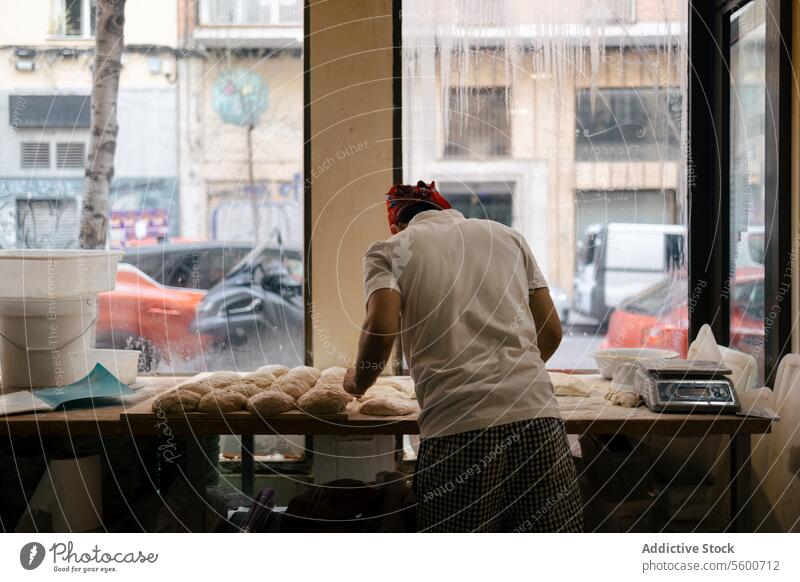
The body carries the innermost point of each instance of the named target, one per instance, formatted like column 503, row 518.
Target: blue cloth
column 96, row 387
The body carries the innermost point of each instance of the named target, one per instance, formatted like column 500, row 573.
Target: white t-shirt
column 467, row 330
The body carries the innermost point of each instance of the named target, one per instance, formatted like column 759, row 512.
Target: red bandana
column 403, row 195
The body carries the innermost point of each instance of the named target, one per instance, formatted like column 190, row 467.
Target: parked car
column 619, row 260
column 658, row 317
column 255, row 314
column 141, row 313
column 194, row 265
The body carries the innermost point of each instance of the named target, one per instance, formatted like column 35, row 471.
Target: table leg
column 247, row 466
column 196, row 469
column 741, row 486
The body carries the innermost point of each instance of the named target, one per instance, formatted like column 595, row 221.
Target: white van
column 618, row 260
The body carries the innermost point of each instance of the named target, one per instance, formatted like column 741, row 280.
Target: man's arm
column 378, row 333
column 548, row 326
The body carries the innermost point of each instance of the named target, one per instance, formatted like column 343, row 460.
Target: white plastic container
column 48, row 310
column 122, row 363
column 48, row 274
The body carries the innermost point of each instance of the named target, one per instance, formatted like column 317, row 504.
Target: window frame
column 710, row 282
column 59, row 8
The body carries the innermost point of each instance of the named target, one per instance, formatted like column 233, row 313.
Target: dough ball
column 379, row 390
column 221, row 379
column 307, row 374
column 276, row 370
column 334, row 373
column 386, row 406
column 623, row 398
column 404, row 386
column 176, row 401
column 291, row 385
column 320, row 401
column 200, row 387
column 246, row 387
column 333, row 384
column 263, row 379
column 270, row 403
column 221, row 401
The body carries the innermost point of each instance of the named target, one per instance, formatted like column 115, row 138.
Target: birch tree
column 103, row 139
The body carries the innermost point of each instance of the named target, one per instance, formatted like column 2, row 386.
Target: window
column 478, row 123
column 747, row 164
column 70, row 155
column 49, row 111
column 75, row 18
column 47, row 223
column 34, row 155
column 215, row 271
column 581, row 121
column 250, row 12
column 492, row 200
column 631, row 124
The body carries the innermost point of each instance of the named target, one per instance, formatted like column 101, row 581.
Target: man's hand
column 350, row 382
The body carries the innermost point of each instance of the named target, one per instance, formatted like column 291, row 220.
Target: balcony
column 250, row 23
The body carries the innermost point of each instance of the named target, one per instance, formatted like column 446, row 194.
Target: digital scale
column 685, row 386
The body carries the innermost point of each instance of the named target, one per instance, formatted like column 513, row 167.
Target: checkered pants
column 516, row 477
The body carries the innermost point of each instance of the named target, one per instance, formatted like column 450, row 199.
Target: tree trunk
column 103, row 142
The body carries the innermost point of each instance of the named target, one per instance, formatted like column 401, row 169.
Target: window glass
column 478, row 123
column 208, row 167
column 638, row 123
column 747, row 154
column 73, row 17
column 568, row 124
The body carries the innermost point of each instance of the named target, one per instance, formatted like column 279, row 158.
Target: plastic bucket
column 53, row 274
column 48, row 309
column 122, row 363
column 36, row 338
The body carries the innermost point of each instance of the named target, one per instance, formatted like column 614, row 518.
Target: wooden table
column 581, row 416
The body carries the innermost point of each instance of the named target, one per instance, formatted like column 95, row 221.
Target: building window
column 49, row 111
column 70, row 155
column 47, row 223
column 250, row 12
column 75, row 18
column 478, row 123
column 612, row 11
column 489, row 200
column 34, row 155
column 629, row 124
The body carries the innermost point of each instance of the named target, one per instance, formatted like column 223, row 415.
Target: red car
column 658, row 317
column 143, row 314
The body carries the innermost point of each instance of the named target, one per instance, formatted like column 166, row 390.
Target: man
column 477, row 324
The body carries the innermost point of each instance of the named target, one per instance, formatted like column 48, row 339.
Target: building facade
column 241, row 120
column 45, row 88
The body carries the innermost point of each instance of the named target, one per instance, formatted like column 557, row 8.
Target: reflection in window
column 492, row 200
column 747, row 154
column 478, row 121
column 636, row 124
